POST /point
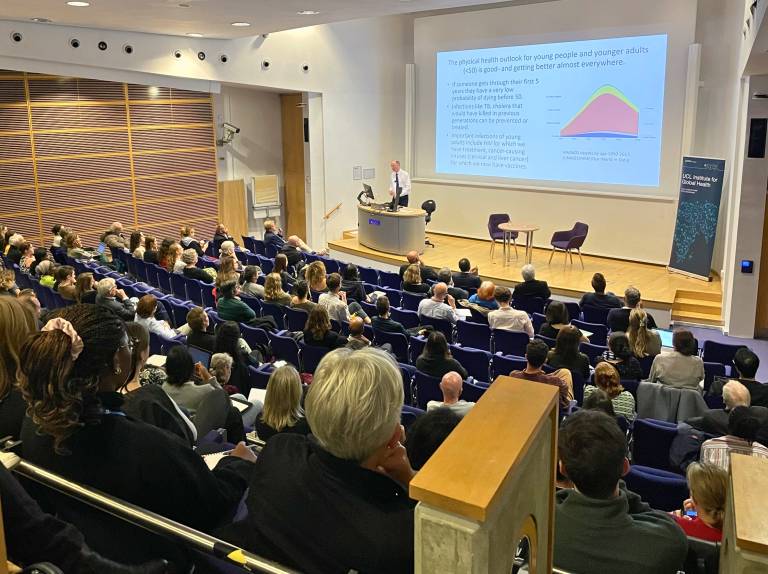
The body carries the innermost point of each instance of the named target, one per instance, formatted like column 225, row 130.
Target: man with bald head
column 273, row 236
column 440, row 305
column 451, row 385
column 715, row 421
column 413, row 258
column 357, row 340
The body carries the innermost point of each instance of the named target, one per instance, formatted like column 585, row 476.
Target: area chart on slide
column 589, row 111
column 608, row 113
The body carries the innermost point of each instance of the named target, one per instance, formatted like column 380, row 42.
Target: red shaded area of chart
column 607, row 113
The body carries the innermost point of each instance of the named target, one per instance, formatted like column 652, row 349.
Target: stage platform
column 687, row 299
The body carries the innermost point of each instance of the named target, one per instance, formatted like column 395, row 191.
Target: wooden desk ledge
column 469, row 469
column 749, row 477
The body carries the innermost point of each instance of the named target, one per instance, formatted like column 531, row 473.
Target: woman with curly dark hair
column 70, row 373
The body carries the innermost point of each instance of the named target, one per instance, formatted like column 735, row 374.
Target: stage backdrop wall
column 620, row 226
column 85, row 153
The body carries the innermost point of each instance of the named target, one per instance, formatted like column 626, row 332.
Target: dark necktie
column 397, row 180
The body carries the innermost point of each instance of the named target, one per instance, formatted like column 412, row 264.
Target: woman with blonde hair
column 282, row 412
column 227, row 271
column 703, row 513
column 412, row 280
column 85, row 288
column 75, row 248
column 607, row 379
column 273, row 290
column 316, row 276
column 8, row 287
column 188, row 240
column 16, row 323
column 643, row 341
column 175, row 262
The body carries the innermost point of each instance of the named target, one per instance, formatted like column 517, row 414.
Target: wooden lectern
column 490, row 484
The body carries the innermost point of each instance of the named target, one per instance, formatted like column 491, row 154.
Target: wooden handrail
column 331, row 212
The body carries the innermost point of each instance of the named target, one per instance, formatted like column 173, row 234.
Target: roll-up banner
column 701, row 185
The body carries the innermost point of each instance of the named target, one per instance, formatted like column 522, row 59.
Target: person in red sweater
column 708, row 484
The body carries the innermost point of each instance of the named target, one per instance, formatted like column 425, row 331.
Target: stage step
column 697, row 307
column 351, row 234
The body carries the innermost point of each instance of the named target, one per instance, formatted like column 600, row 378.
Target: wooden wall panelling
column 86, row 152
column 293, row 164
column 233, row 207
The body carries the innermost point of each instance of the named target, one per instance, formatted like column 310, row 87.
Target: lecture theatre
column 383, row 286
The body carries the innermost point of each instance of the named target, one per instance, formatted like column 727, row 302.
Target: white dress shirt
column 403, row 179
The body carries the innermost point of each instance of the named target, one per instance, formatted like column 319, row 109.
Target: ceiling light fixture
column 42, row 20
column 241, row 24
column 307, row 12
column 79, row 4
column 194, row 35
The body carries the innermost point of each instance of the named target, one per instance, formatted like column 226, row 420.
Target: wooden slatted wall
column 85, row 153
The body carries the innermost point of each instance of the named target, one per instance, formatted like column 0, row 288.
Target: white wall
column 620, row 226
column 358, row 67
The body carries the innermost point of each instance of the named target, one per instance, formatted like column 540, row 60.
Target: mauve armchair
column 569, row 240
column 497, row 234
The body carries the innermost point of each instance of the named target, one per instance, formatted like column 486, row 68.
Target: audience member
column 352, row 285
column 619, row 354
column 173, row 261
column 188, row 241
column 300, row 299
column 136, row 245
column 249, row 279
column 150, row 250
column 412, row 280
column 181, row 386
column 451, row 385
column 747, row 363
column 600, row 299
column 227, row 251
column 643, row 340
column 114, row 299
column 16, row 324
column 143, row 394
column 8, row 287
column 113, row 237
column 85, row 288
column 229, row 305
column 383, row 322
column 145, row 316
column 467, row 277
column 292, row 252
column 357, row 339
column 274, row 236
column 557, row 318
column 191, row 270
column 599, row 525
column 199, row 335
column 681, row 368
column 708, row 485
column 45, row 271
column 354, row 463
column 27, row 259
column 506, row 317
column 71, row 371
column 287, row 273
column 318, row 331
column 75, row 248
column 14, row 248
column 316, row 276
column 436, row 307
column 55, row 231
column 566, row 354
column 531, row 287
column 41, row 254
column 282, row 412
column 227, row 272
column 743, row 426
column 413, row 258
column 535, row 356
column 220, row 235
column 715, row 421
column 599, row 400
column 444, row 275
column 335, row 302
column 485, row 296
column 273, row 291
column 618, row 319
column 607, row 380
column 228, row 341
column 436, row 360
column 29, row 300
column 428, row 432
column 65, row 282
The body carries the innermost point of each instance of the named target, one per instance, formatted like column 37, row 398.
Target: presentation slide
column 587, row 111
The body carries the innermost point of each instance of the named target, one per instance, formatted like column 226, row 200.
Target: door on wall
column 293, row 164
column 761, row 318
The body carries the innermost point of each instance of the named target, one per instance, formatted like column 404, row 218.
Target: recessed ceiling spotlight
column 79, row 4
column 307, row 12
column 42, row 20
column 194, row 35
column 241, row 24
